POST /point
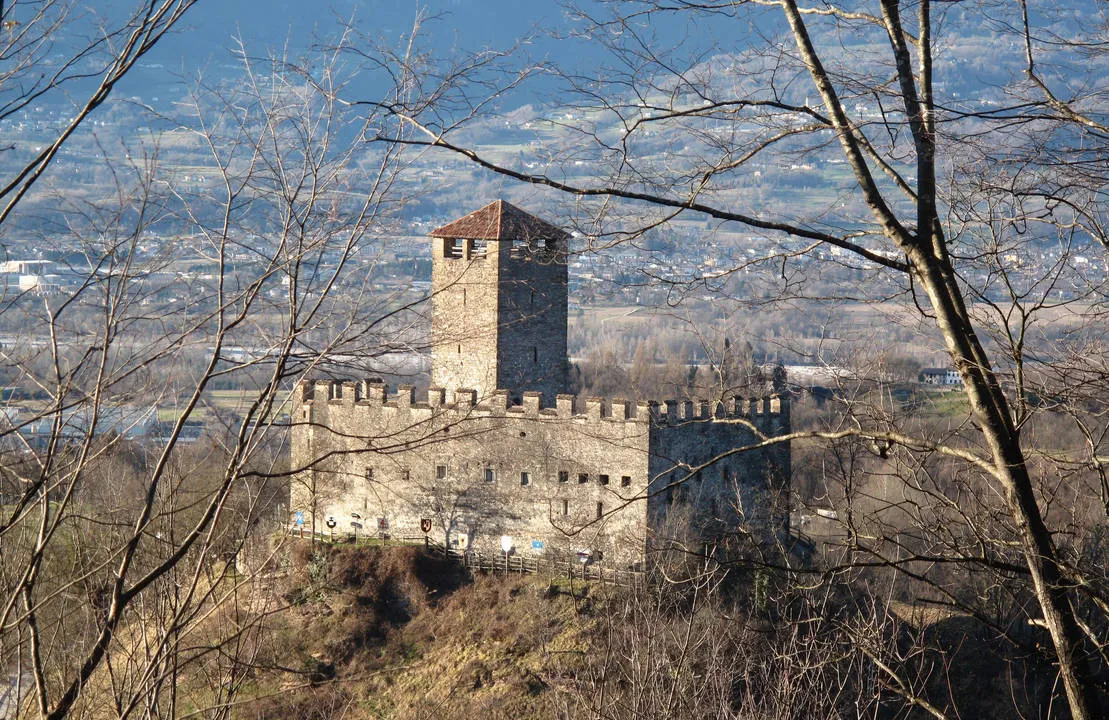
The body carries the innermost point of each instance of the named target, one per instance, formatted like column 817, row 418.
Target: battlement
column 765, row 413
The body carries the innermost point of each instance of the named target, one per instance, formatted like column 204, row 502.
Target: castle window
column 565, row 507
column 625, row 480
column 563, row 476
column 534, row 354
column 440, row 472
column 463, row 297
column 583, row 478
column 490, row 475
column 478, row 248
column 525, row 478
column 452, row 248
column 532, row 297
column 600, row 510
column 603, row 479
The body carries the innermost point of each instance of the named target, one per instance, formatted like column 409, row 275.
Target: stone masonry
column 488, row 458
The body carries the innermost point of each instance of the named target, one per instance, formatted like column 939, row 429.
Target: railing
column 550, row 567
column 475, row 561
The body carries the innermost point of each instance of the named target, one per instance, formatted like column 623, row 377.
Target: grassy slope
column 393, row 633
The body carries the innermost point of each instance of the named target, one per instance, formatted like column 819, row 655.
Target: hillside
column 397, row 633
column 372, row 632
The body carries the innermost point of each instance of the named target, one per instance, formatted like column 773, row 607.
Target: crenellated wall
column 601, row 474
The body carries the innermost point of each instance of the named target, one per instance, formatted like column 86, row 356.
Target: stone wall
column 558, row 480
column 464, row 330
column 499, row 316
column 716, row 470
column 533, row 299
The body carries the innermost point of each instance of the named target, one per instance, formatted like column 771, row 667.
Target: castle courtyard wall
column 377, row 458
column 603, row 477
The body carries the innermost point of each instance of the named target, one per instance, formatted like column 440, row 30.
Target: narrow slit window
column 600, row 510
column 440, row 472
column 534, row 354
column 525, row 478
column 565, row 507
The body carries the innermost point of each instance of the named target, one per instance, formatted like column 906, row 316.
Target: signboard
column 356, row 525
column 382, row 523
column 537, row 545
column 300, row 518
column 425, row 525
column 506, row 543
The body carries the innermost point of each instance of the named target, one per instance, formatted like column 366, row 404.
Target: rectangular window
column 603, row 479
column 490, row 475
column 563, row 476
column 452, row 248
column 440, row 472
column 369, row 474
column 565, row 507
column 405, row 475
column 525, row 478
column 625, row 480
column 583, row 478
column 600, row 510
column 478, row 248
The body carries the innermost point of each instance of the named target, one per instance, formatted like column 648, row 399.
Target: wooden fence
column 549, row 567
column 495, row 564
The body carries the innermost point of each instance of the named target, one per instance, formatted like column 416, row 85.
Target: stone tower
column 499, row 296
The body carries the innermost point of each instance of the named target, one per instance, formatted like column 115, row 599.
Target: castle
column 476, row 463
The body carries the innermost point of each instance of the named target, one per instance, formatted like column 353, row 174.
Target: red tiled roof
column 500, row 220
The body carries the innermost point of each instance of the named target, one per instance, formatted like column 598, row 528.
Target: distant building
column 25, row 267
column 941, row 376
column 483, row 464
